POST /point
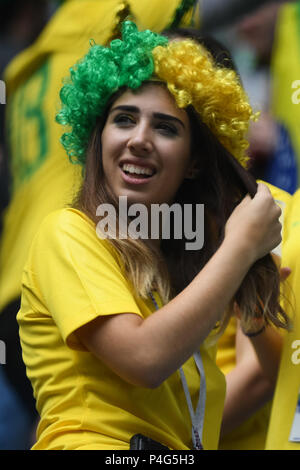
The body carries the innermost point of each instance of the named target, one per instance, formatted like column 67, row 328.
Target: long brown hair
column 220, row 185
column 144, row 266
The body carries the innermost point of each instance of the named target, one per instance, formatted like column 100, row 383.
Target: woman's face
column 146, row 145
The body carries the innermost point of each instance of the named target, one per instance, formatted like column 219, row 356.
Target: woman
column 103, row 364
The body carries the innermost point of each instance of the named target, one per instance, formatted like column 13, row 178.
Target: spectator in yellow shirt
column 103, row 363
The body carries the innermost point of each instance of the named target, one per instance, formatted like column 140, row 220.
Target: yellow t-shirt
column 71, row 277
column 252, row 433
column 288, row 383
column 43, row 180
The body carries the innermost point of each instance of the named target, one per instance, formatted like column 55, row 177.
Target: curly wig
column 187, row 69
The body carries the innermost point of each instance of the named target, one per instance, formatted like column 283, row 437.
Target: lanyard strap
column 197, row 417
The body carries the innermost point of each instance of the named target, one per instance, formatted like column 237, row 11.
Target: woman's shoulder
column 67, row 217
column 68, row 228
column 57, row 230
column 66, row 224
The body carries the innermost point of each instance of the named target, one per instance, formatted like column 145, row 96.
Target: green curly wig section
column 94, row 79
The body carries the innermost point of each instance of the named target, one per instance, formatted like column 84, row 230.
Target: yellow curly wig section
column 215, row 92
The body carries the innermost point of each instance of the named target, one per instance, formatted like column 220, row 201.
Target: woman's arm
column 252, row 382
column 267, row 344
column 268, row 347
column 146, row 352
column 248, row 386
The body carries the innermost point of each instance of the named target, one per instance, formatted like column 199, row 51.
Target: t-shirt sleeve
column 78, row 276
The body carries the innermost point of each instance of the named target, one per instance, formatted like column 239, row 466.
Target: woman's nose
column 140, row 139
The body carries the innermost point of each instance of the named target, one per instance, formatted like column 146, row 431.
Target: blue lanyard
column 197, row 417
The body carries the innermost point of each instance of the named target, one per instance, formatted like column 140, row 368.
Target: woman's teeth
column 137, row 170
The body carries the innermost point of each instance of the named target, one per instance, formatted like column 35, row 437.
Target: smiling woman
column 102, row 321
column 146, row 129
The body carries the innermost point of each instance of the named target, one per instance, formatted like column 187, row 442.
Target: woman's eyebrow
column 168, row 117
column 136, row 110
column 128, row 108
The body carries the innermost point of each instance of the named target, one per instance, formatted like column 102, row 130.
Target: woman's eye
column 124, row 120
column 167, row 129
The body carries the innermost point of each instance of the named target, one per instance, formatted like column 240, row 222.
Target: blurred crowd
column 21, row 22
column 262, row 38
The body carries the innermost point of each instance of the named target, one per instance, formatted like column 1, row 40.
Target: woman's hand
column 254, row 224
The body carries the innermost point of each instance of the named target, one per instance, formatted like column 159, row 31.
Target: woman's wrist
column 241, row 250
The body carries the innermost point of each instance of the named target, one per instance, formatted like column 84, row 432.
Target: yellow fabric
column 252, row 434
column 288, row 383
column 71, row 277
column 285, row 68
column 226, row 358
column 43, row 178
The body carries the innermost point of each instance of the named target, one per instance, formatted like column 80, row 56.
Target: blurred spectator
column 219, row 13
column 21, row 21
column 258, row 28
column 284, row 428
column 272, row 150
column 285, row 70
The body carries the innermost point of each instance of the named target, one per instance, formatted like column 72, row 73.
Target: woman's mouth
column 135, row 174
